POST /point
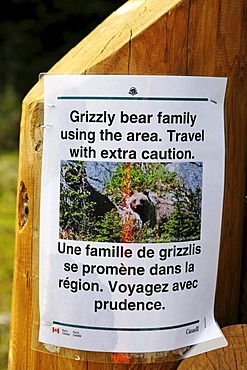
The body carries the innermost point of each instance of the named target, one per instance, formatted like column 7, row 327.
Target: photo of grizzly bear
column 130, row 203
column 142, row 205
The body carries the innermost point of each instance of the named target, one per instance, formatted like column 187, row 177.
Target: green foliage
column 185, row 222
column 4, row 346
column 109, row 228
column 8, row 185
column 9, row 120
column 143, row 177
column 77, row 220
column 75, row 213
column 146, row 234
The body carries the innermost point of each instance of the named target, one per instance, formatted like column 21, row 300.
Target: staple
column 46, row 125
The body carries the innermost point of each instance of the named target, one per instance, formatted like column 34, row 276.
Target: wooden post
column 169, row 37
column 234, row 355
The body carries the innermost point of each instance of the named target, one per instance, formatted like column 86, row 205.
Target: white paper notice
column 131, row 205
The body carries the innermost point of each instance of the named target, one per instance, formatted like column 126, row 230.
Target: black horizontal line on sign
column 131, row 98
column 126, row 329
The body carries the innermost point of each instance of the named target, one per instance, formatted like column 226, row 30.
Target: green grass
column 8, row 189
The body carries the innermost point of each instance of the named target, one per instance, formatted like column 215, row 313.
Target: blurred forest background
column 34, row 35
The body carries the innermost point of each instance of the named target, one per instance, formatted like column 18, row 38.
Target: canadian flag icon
column 55, row 330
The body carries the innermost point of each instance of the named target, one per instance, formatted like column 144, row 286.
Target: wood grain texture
column 169, row 37
column 232, row 357
column 243, row 291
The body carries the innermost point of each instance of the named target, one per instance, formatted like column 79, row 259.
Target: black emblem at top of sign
column 133, row 91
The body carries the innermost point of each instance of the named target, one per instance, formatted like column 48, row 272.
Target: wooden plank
column 233, row 357
column 190, row 37
column 243, row 291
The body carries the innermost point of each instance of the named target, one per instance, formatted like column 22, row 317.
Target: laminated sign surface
column 131, row 204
